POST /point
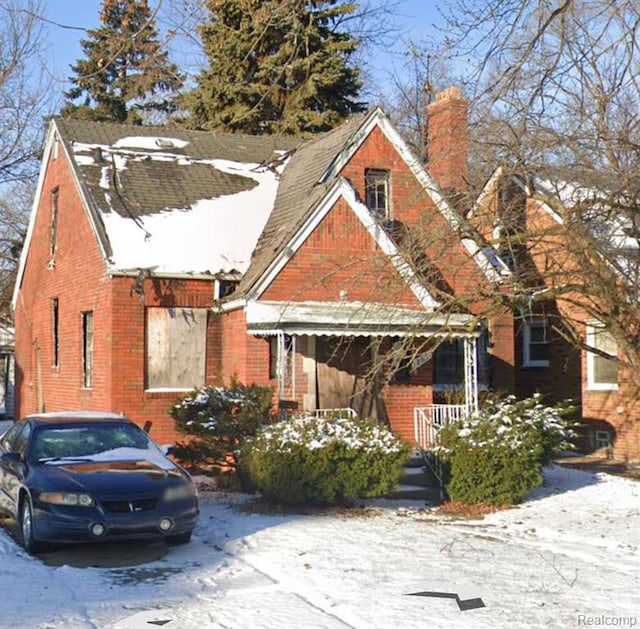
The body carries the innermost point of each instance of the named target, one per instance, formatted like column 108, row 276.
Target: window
column 602, row 372
column 448, row 364
column 376, row 184
column 602, row 439
column 535, row 343
column 55, row 324
column 87, row 349
column 54, row 220
column 175, row 347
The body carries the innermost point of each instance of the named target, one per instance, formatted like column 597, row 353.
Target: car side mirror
column 11, row 457
column 167, row 449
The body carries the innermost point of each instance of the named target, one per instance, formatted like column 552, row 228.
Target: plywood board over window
column 176, row 341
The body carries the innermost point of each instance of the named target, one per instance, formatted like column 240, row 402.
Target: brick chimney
column 448, row 141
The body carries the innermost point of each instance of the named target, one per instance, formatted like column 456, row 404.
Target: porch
column 322, row 354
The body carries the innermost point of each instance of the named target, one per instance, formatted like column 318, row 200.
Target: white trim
column 530, row 193
column 526, row 342
column 488, row 189
column 592, row 385
column 341, row 189
column 267, row 318
column 429, row 185
column 51, row 135
column 378, row 118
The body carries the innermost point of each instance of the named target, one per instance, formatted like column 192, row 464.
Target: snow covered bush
column 217, row 420
column 496, row 456
column 324, row 460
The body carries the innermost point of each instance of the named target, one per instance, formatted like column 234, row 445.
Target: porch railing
column 335, row 412
column 427, row 421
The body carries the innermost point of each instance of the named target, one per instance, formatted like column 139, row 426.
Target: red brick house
column 160, row 259
column 608, row 396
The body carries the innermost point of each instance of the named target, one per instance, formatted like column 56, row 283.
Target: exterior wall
column 340, row 257
column 128, row 364
column 616, row 411
column 340, row 260
column 75, row 275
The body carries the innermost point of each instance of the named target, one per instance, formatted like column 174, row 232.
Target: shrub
column 496, row 456
column 218, row 420
column 324, row 461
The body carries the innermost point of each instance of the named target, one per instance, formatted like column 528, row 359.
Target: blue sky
column 414, row 18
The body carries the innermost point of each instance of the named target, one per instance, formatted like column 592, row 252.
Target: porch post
column 281, row 363
column 471, row 374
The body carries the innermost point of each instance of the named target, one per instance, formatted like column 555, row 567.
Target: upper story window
column 376, row 184
column 602, row 372
column 54, row 221
column 536, row 343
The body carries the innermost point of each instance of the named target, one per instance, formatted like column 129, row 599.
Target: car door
column 12, row 471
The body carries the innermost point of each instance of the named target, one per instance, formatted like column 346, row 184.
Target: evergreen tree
column 124, row 73
column 275, row 66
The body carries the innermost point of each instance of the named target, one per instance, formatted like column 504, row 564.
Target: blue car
column 88, row 477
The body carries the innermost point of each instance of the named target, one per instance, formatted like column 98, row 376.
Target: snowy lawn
column 568, row 557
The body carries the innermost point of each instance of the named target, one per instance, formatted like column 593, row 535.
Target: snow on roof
column 609, row 225
column 213, row 235
column 149, row 142
column 209, row 235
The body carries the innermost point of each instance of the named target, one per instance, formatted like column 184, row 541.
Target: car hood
column 111, row 476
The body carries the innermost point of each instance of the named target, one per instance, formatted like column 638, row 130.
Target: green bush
column 496, row 456
column 323, row 461
column 218, row 420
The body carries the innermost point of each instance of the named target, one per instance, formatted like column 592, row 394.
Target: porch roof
column 343, row 318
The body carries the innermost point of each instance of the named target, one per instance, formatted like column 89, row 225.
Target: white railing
column 335, row 412
column 427, row 420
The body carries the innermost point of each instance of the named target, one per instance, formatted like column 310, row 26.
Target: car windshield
column 92, row 442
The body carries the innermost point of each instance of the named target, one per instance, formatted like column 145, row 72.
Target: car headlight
column 67, row 498
column 179, row 492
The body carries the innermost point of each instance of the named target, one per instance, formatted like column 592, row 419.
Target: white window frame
column 527, row 361
column 592, row 385
column 378, row 184
column 602, row 439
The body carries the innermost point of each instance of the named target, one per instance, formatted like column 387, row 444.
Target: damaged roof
column 173, row 200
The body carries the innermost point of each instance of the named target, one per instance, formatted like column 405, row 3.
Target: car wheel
column 183, row 538
column 25, row 527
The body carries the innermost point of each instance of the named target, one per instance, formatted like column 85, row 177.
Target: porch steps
column 417, row 482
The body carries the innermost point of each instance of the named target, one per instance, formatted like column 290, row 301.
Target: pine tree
column 124, row 73
column 275, row 66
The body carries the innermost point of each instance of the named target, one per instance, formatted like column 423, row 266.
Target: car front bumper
column 63, row 524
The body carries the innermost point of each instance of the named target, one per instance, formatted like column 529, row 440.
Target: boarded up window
column 176, row 341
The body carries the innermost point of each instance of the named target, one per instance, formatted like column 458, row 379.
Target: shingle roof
column 298, row 193
column 138, row 179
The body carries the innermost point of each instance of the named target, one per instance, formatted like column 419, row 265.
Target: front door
column 342, row 375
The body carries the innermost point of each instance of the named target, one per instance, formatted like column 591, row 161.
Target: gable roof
column 341, row 188
column 309, row 177
column 157, row 197
column 299, row 191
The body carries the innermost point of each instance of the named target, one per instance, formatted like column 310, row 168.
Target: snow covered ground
column 568, row 557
